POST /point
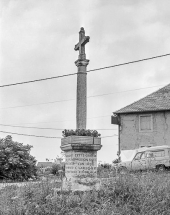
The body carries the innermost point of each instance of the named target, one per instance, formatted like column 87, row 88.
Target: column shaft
column 81, row 100
column 81, row 107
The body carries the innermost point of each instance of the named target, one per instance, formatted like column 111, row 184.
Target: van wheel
column 160, row 168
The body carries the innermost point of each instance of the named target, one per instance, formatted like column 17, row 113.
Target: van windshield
column 138, row 156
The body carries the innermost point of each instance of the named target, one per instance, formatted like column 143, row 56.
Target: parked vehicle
column 146, row 158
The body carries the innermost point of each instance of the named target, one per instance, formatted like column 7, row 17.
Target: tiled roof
column 157, row 101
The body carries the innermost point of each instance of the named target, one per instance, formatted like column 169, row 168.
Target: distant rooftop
column 44, row 164
column 157, row 101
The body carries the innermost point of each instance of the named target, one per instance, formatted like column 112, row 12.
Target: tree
column 16, row 163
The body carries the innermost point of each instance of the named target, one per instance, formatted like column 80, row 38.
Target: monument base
column 81, row 184
column 81, row 162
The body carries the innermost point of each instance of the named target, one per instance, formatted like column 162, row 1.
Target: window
column 143, row 156
column 138, row 155
column 145, row 122
column 159, row 153
column 154, row 154
column 149, row 154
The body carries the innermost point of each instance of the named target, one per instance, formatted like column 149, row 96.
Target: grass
column 130, row 194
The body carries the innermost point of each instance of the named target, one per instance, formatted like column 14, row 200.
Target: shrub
column 55, row 169
column 16, row 163
column 105, row 171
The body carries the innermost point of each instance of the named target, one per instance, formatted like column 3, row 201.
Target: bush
column 105, row 171
column 55, row 169
column 16, row 163
column 80, row 132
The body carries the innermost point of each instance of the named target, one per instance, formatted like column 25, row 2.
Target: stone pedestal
column 81, row 162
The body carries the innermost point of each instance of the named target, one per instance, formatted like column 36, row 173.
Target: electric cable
column 107, row 67
column 130, row 62
column 75, row 99
column 61, row 120
column 57, row 129
column 110, row 136
column 31, row 135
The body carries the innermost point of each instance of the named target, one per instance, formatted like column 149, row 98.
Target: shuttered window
column 145, row 123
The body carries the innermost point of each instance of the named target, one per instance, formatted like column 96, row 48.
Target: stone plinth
column 81, row 161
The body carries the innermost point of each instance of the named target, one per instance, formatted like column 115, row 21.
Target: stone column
column 81, row 93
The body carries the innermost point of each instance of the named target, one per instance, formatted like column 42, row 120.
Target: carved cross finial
column 81, row 44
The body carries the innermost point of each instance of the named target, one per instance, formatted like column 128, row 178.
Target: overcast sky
column 37, row 41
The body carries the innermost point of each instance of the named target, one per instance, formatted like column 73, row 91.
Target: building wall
column 131, row 137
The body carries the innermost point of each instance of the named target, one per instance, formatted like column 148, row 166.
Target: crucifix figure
column 81, row 63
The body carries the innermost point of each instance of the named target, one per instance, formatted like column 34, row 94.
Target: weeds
column 130, row 194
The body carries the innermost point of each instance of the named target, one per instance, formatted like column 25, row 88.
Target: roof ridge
column 151, row 102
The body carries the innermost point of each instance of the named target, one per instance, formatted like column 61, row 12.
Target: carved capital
column 80, row 62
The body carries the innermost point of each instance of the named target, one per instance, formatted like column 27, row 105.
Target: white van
column 145, row 158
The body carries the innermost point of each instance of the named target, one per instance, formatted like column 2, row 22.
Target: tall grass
column 130, row 194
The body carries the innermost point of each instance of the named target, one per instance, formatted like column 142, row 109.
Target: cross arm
column 85, row 40
column 76, row 47
column 82, row 42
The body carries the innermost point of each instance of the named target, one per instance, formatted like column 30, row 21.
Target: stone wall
column 131, row 137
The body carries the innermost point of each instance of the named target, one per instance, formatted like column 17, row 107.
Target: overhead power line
column 63, row 120
column 130, row 62
column 110, row 136
column 17, row 126
column 106, row 94
column 43, row 103
column 31, row 135
column 107, row 67
column 57, row 129
column 41, row 79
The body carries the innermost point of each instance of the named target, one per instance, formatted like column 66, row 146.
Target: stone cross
column 81, row 63
column 81, row 151
column 81, row 44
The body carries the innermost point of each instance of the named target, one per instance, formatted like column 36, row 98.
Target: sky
column 37, row 41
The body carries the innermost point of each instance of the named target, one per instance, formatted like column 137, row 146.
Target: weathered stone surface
column 81, row 108
column 131, row 137
column 81, row 170
column 81, row 162
column 81, row 63
column 81, row 44
column 81, row 152
column 81, row 147
column 81, row 140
